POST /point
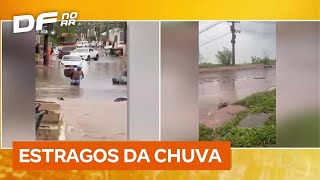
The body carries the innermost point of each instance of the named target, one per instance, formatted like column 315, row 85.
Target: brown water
column 230, row 86
column 89, row 111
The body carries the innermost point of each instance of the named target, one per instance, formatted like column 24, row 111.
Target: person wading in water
column 77, row 74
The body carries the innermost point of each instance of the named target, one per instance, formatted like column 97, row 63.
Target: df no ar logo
column 26, row 23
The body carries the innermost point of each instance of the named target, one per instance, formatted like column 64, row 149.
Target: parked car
column 100, row 44
column 85, row 44
column 82, row 44
column 66, row 51
column 71, row 61
column 93, row 44
column 86, row 53
column 79, row 44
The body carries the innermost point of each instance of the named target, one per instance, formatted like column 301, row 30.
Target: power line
column 210, row 26
column 215, row 39
column 256, row 32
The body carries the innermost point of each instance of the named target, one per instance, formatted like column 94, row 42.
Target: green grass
column 205, row 65
column 264, row 136
column 208, row 65
column 262, row 61
column 300, row 129
column 265, row 61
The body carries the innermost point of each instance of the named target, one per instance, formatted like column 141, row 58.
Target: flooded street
column 253, row 40
column 89, row 112
column 230, row 86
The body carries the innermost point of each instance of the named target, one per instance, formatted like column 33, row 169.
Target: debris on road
column 123, row 79
column 222, row 105
column 120, row 99
column 223, row 116
column 50, row 125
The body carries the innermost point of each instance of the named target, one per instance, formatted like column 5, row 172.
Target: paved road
column 89, row 111
column 230, row 86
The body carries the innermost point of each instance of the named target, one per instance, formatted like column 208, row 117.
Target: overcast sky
column 255, row 39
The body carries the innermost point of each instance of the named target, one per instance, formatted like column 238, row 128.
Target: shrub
column 264, row 136
column 265, row 60
column 206, row 64
column 224, row 56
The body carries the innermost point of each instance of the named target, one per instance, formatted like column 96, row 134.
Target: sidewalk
column 223, row 116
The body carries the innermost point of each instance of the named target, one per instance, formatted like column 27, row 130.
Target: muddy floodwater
column 231, row 85
column 89, row 112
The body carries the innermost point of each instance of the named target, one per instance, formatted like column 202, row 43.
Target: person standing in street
column 37, row 53
column 49, row 53
column 77, row 74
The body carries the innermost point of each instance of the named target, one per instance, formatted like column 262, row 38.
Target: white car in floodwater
column 82, row 44
column 93, row 43
column 71, row 61
column 86, row 53
column 85, row 44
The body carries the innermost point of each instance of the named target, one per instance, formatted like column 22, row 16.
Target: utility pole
column 45, row 51
column 233, row 40
column 125, row 33
column 47, row 29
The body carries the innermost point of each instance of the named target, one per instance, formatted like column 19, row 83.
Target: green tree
column 224, row 56
column 91, row 35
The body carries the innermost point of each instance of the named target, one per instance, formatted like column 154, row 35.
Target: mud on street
column 231, row 85
column 89, row 112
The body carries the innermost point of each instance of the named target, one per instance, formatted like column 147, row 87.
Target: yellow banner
column 167, row 9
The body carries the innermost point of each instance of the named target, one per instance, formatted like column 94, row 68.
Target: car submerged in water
column 71, row 61
column 82, row 44
column 65, row 51
column 86, row 53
